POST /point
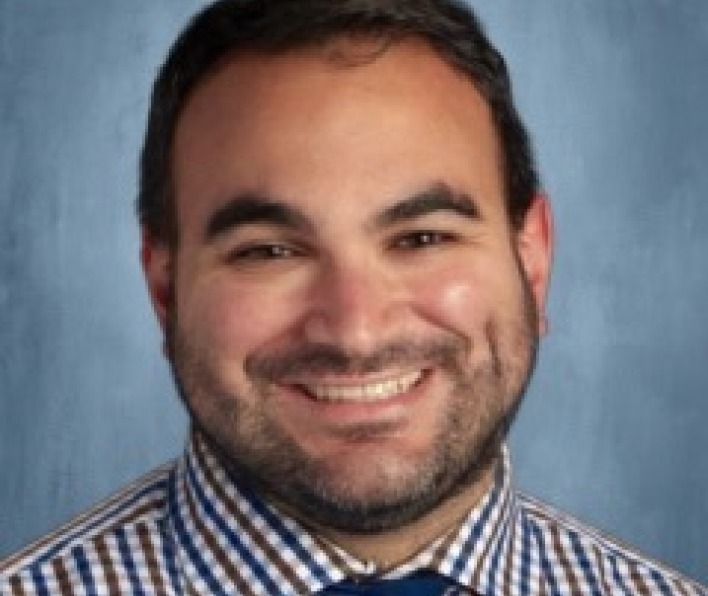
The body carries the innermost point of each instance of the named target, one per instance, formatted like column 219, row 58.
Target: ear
column 156, row 259
column 535, row 246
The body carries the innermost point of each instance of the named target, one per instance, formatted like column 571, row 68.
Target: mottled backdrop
column 616, row 95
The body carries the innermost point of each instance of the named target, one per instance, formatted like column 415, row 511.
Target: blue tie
column 421, row 583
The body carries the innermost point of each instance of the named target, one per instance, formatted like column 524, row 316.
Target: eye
column 422, row 239
column 262, row 252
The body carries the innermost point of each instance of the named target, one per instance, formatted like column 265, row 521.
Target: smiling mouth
column 363, row 392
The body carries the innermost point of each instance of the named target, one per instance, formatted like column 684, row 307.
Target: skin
column 260, row 311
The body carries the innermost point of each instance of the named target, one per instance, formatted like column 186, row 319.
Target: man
column 346, row 247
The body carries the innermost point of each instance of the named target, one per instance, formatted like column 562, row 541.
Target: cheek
column 453, row 303
column 231, row 321
column 457, row 300
column 465, row 298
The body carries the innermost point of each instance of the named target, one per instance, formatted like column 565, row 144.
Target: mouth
column 372, row 391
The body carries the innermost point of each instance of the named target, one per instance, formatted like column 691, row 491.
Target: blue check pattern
column 188, row 529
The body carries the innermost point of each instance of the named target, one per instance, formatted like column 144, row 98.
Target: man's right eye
column 262, row 252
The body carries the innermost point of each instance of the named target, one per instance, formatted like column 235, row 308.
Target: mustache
column 320, row 358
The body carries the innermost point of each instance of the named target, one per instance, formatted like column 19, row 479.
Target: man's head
column 271, row 27
column 352, row 285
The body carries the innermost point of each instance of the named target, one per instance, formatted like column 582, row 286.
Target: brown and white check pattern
column 187, row 528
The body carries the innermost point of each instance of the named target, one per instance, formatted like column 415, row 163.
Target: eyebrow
column 253, row 208
column 438, row 197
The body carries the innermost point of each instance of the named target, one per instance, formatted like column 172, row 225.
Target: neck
column 390, row 548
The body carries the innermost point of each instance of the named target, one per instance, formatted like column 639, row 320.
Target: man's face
column 351, row 320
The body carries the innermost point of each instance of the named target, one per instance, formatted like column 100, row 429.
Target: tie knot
column 420, row 583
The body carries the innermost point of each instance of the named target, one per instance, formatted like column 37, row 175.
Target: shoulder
column 572, row 553
column 131, row 520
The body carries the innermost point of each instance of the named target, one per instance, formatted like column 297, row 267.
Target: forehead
column 319, row 131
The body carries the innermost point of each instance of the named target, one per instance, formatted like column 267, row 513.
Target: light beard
column 255, row 450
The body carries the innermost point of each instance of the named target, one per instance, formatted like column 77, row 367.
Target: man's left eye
column 422, row 239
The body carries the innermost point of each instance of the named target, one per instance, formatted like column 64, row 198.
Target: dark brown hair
column 272, row 26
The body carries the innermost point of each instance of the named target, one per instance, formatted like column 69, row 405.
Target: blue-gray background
column 616, row 95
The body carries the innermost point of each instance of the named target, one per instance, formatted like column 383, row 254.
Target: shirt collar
column 225, row 534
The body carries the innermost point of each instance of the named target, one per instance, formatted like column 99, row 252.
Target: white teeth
column 367, row 392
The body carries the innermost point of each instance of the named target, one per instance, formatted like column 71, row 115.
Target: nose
column 356, row 304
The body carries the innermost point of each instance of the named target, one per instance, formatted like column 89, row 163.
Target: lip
column 348, row 412
column 362, row 389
